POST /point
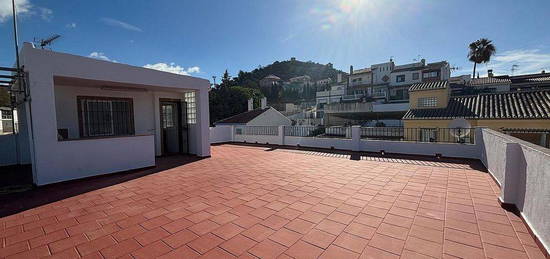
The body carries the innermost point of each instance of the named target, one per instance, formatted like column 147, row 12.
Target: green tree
column 4, row 97
column 480, row 52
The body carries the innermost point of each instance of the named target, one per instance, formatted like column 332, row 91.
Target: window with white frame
column 430, row 74
column 104, row 116
column 426, row 102
column 190, row 99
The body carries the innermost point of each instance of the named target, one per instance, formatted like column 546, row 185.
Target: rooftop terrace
column 268, row 202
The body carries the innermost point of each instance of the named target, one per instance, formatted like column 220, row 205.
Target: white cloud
column 71, row 25
column 101, row 55
column 120, row 24
column 173, row 68
column 22, row 7
column 45, row 13
column 527, row 61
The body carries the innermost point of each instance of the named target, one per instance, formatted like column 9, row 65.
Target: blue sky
column 203, row 38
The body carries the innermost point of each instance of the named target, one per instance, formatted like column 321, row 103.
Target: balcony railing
column 437, row 135
column 348, row 107
column 257, row 130
column 317, row 131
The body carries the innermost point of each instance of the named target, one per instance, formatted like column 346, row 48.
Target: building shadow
column 15, row 202
column 449, row 162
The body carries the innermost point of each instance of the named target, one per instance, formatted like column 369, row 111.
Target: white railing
column 348, row 107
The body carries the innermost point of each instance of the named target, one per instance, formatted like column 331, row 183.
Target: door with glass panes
column 173, row 124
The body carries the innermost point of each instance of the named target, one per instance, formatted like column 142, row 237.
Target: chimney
column 250, row 104
column 489, row 72
column 263, row 102
column 423, row 61
column 350, row 70
column 339, row 78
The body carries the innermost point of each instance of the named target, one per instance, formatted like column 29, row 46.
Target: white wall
column 271, row 117
column 221, row 134
column 523, row 172
column 83, row 158
column 7, row 150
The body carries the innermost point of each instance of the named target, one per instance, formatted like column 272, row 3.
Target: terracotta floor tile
column 177, row 225
column 275, row 222
column 369, row 220
column 393, row 231
column 331, row 227
column 299, row 225
column 151, row 236
column 180, row 238
column 238, row 245
column 351, row 242
column 121, row 249
column 375, row 253
column 426, row 233
column 461, row 250
column 258, row 232
column 319, row 238
column 267, row 249
column 304, row 250
column 425, row 247
column 204, row 227
column 463, row 237
column 152, row 250
column 338, row 252
column 228, row 231
column 285, row 237
column 217, row 253
column 386, row 243
column 493, row 251
column 182, row 252
column 501, row 240
column 205, row 243
column 360, row 230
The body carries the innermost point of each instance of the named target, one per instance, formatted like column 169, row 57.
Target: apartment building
column 378, row 93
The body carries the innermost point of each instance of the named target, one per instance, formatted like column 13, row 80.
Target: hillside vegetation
column 230, row 96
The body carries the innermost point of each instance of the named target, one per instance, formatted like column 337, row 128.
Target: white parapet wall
column 523, row 171
column 221, row 134
column 91, row 157
column 343, row 138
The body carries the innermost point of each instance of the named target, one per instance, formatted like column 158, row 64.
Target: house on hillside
column 523, row 114
column 81, row 117
column 270, row 80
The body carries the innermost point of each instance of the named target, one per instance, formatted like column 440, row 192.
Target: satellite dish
column 459, row 128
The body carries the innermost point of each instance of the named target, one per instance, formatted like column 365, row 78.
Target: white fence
column 344, row 138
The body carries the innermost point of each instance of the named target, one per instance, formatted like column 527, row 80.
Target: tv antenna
column 48, row 41
column 455, row 68
column 417, row 58
column 514, row 68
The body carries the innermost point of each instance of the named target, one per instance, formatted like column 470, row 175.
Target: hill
column 286, row 70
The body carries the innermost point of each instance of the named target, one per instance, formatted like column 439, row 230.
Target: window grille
column 427, row 102
column 104, row 116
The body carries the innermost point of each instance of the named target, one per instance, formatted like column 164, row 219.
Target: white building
column 263, row 116
column 86, row 117
column 7, row 119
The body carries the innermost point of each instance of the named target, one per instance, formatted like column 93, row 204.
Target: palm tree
column 480, row 52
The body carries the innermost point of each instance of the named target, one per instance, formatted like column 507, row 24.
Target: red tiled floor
column 246, row 202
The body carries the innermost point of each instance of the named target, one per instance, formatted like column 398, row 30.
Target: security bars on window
column 103, row 116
